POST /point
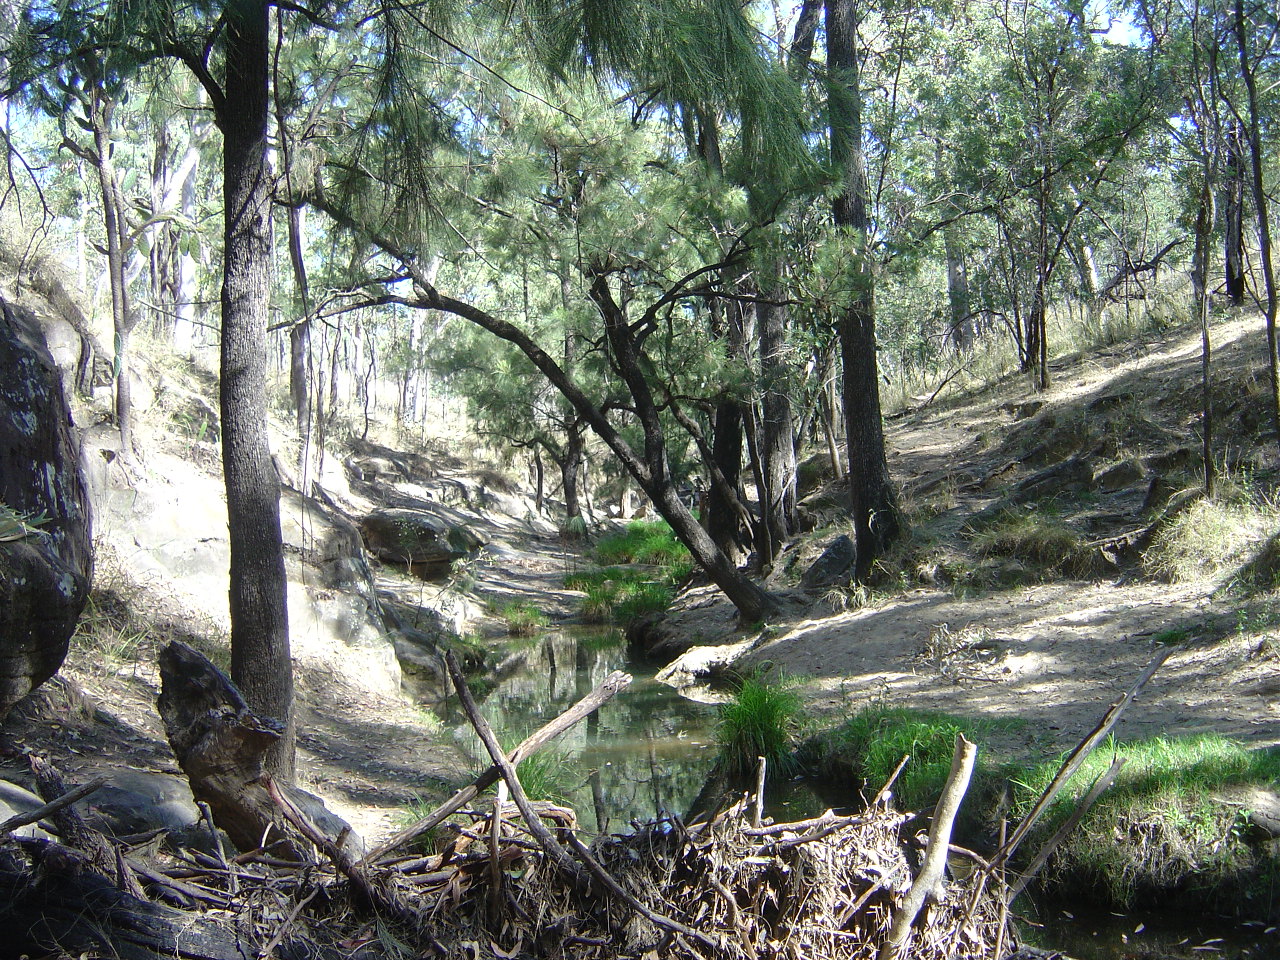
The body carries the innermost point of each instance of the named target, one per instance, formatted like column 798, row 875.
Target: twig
column 233, row 880
column 352, row 869
column 1101, row 784
column 274, row 942
column 1076, row 759
column 549, row 844
column 612, row 685
column 52, row 807
column 758, row 813
column 888, row 784
column 935, row 858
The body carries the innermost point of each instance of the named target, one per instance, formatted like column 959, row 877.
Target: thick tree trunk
column 260, row 661
column 875, row 512
column 723, row 519
column 570, row 470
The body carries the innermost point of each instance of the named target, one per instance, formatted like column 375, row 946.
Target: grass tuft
column 642, row 541
column 523, row 619
column 760, row 721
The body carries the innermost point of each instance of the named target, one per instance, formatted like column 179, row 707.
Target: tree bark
column 1253, row 138
column 777, row 438
column 1233, row 213
column 260, row 659
column 872, row 500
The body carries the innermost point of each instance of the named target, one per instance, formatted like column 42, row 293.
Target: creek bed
column 648, row 753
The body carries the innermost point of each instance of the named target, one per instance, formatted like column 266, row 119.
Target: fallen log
column 56, row 902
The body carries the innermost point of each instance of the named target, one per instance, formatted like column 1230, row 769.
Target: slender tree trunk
column 300, row 351
column 1254, row 141
column 777, row 439
column 260, row 659
column 101, row 109
column 1200, row 294
column 875, row 512
column 1233, row 214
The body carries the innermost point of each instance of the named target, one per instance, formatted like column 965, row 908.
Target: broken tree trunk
column 220, row 744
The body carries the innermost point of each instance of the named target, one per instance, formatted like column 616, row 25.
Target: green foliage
column 642, row 541
column 1176, row 816
column 18, row 526
column 871, row 743
column 760, row 721
column 523, row 619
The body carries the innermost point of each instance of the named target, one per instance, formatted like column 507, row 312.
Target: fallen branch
column 612, row 685
column 935, row 859
column 543, row 836
column 382, row 899
column 1076, row 760
column 53, row 806
column 1101, row 784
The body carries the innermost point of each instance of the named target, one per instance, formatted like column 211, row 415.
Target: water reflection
column 1087, row 934
column 644, row 754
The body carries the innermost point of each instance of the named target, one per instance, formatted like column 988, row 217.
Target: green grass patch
column 760, row 721
column 621, row 594
column 523, row 619
column 871, row 743
column 1176, row 819
column 642, row 541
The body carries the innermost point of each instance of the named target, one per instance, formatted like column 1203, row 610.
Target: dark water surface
column 1090, row 934
column 646, row 754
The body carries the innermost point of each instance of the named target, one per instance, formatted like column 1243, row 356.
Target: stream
column 644, row 755
column 649, row 752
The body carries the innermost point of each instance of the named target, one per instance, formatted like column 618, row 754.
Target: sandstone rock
column 834, row 567
column 136, row 801
column 44, row 572
column 15, row 800
column 415, row 537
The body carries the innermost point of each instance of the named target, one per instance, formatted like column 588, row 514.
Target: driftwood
column 56, row 902
column 219, row 743
column 612, row 685
column 928, row 880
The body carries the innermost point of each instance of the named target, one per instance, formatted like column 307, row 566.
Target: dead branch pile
column 510, row 878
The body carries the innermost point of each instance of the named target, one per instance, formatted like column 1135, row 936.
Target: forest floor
column 953, row 628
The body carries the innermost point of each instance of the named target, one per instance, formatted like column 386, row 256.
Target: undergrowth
column 1176, row 818
column 1216, row 537
column 760, row 721
column 870, row 744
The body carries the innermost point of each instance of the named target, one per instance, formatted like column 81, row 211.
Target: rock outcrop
column 46, row 556
column 416, row 537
